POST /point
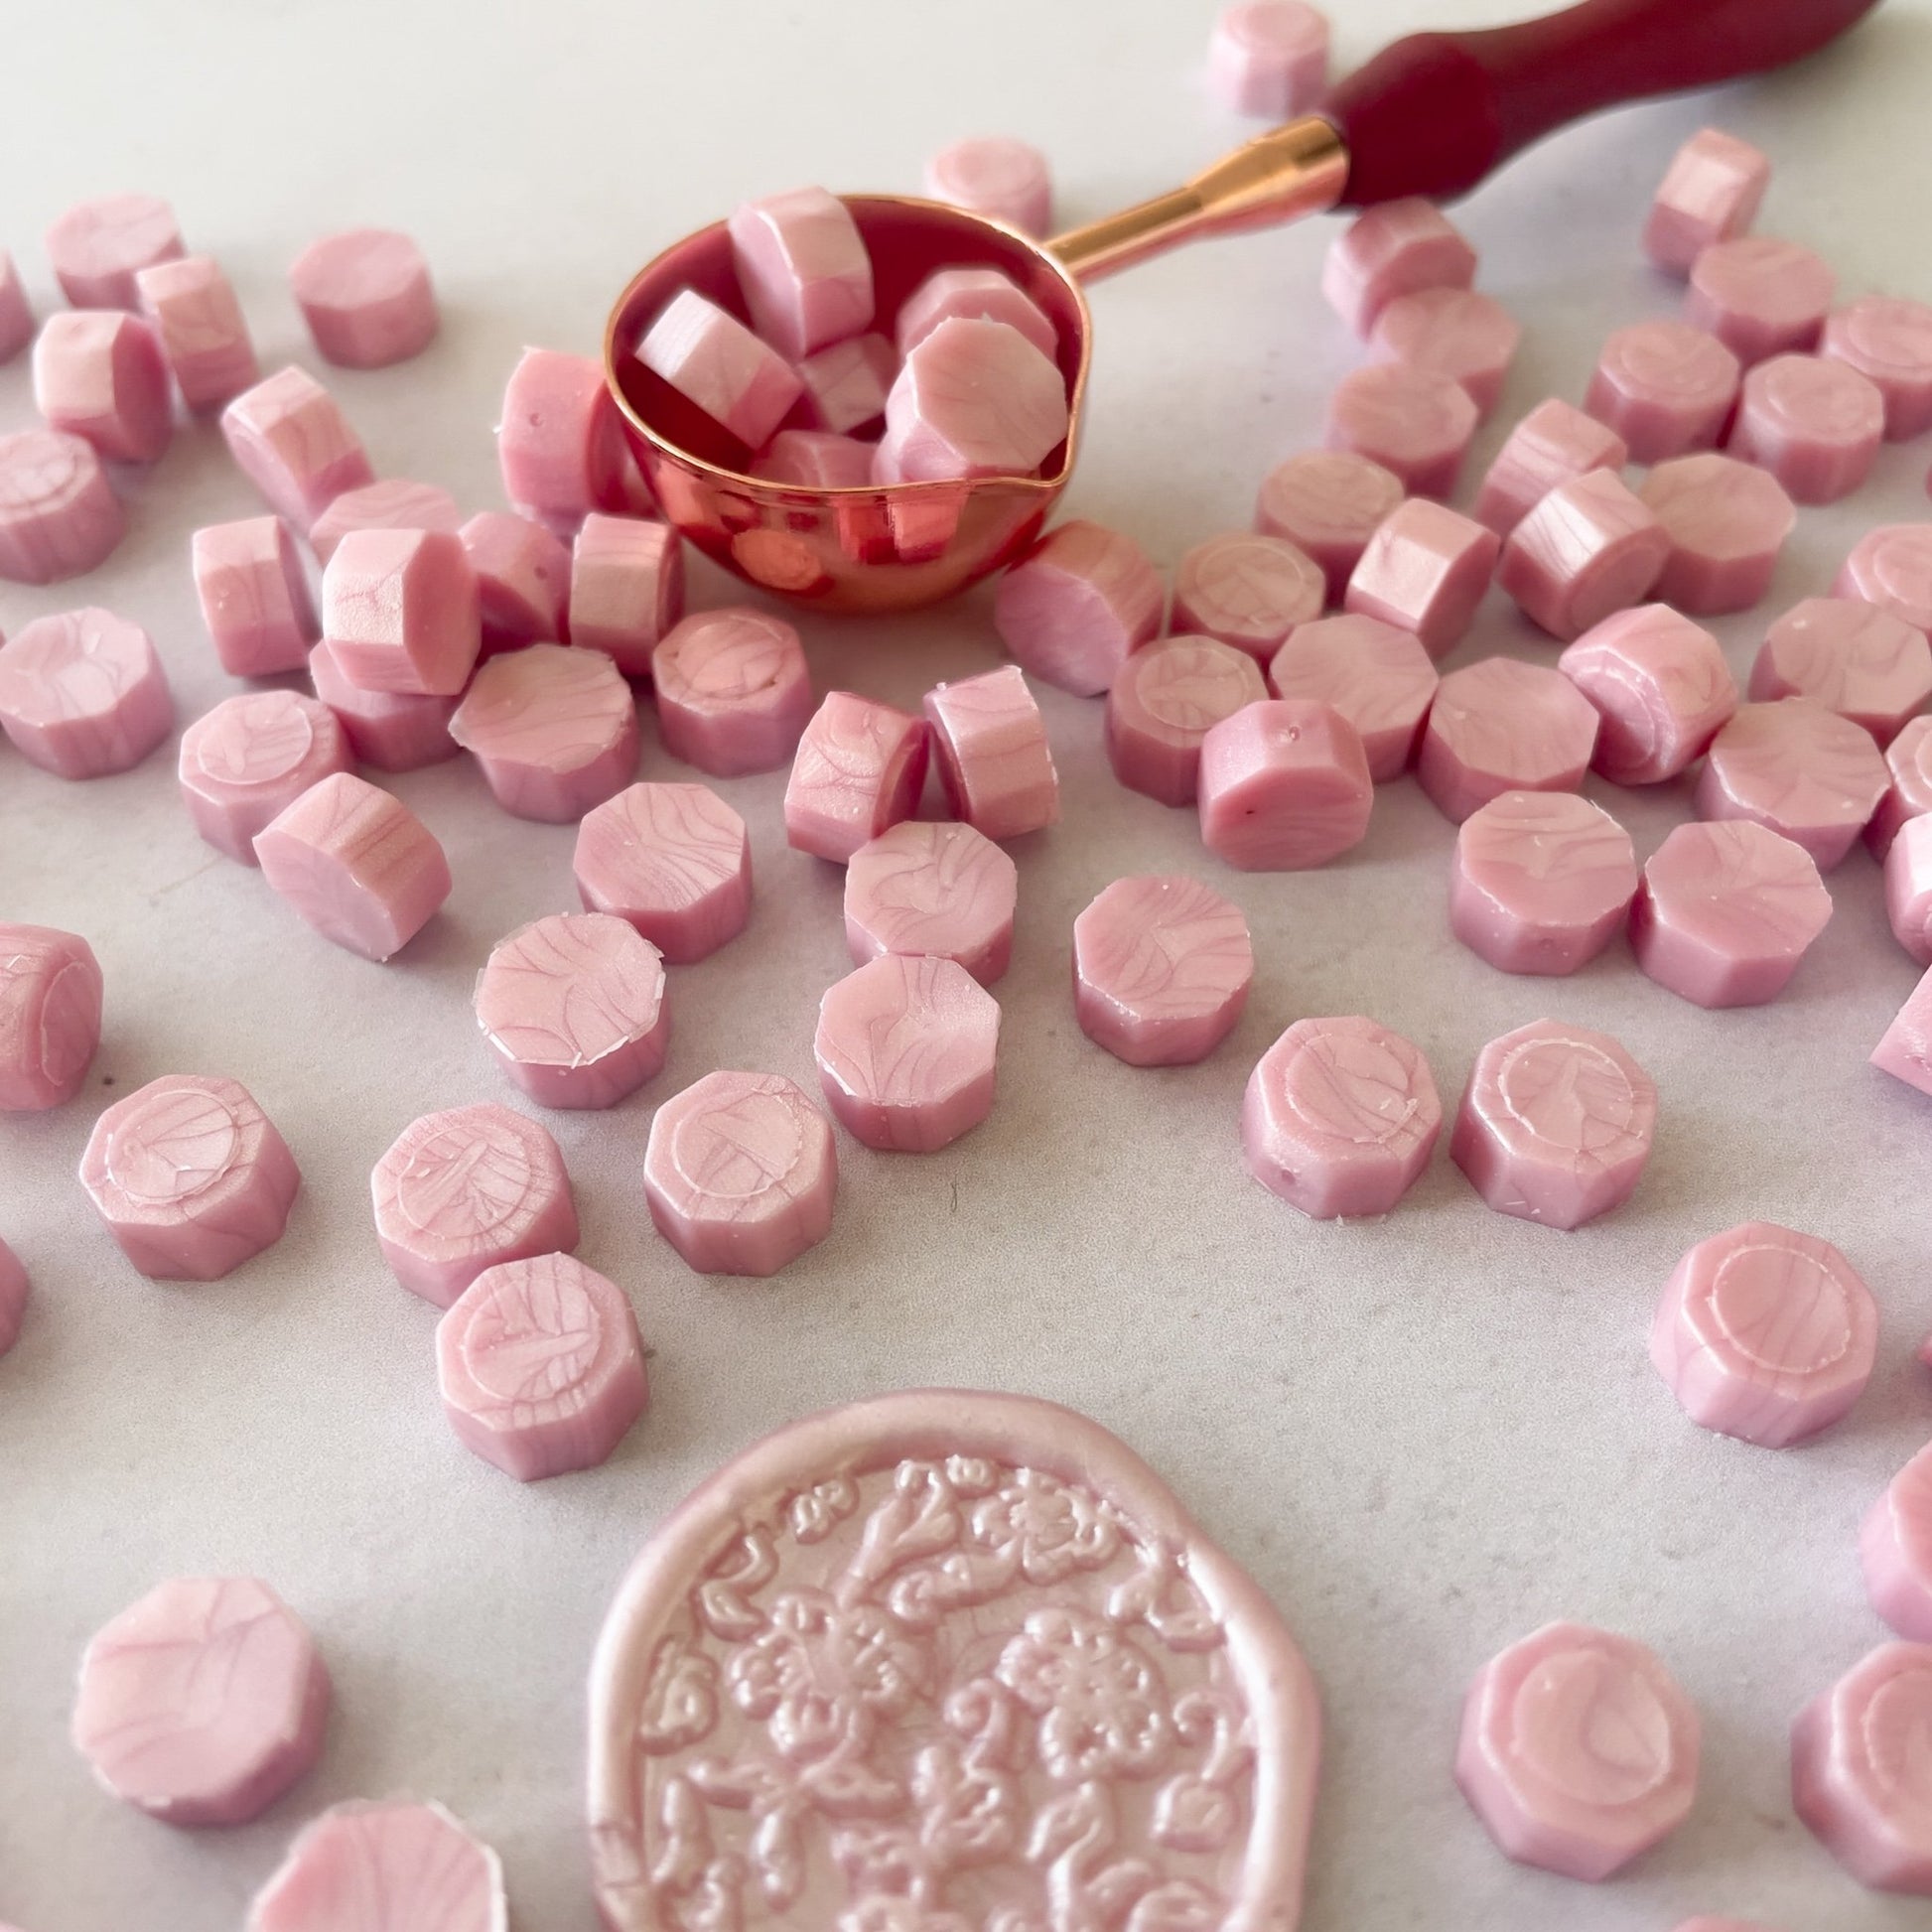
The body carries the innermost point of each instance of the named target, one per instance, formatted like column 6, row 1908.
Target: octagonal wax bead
column 942, row 889
column 289, row 437
column 1269, row 58
column 733, row 694
column 1579, row 1752
column 1463, row 333
column 16, row 316
column 905, row 1049
column 1589, row 549
column 860, row 767
column 671, row 859
column 815, row 459
column 845, row 384
column 201, row 330
column 99, row 247
column 400, row 610
column 716, row 364
column 1799, row 768
column 391, row 730
column 1888, row 341
column 1340, row 1117
column 1661, row 690
column 626, row 587
column 1895, row 1550
column 995, row 175
column 1501, row 725
column 1893, row 566
column 1554, row 1125
column 553, row 729
column 1541, row 882
column 740, row 1173
column 250, row 759
column 560, row 445
column 392, row 503
column 254, row 596
column 99, row 374
column 995, row 761
column 1327, row 503
column 1760, row 296
column 1726, row 522
column 1162, row 967
column 1417, row 423
column 1078, row 606
column 1389, row 250
column 82, row 695
column 973, row 398
column 1556, row 443
column 50, row 1016
column 1852, row 658
column 1665, row 387
column 1424, row 571
column 1905, row 1051
column 425, row 1871
column 203, row 1701
column 573, row 1008
column 540, row 1366
column 1247, row 590
column 1709, row 192
column 1162, row 703
column 58, row 515
column 191, row 1178
column 1861, row 1773
column 1378, row 677
column 366, row 297
column 1908, row 760
column 988, row 294
column 1284, row 786
column 802, row 269
column 1908, row 888
column 523, row 577
column 1814, row 423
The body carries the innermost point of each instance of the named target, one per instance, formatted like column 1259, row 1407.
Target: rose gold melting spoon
column 1431, row 116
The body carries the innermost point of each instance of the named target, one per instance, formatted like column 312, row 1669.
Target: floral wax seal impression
column 946, row 1662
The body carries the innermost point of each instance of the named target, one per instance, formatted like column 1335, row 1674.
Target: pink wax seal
column 740, row 1173
column 1709, row 192
column 16, row 316
column 1078, row 605
column 1327, row 503
column 390, row 504
column 1799, row 768
column 626, row 587
column 1854, row 658
column 13, row 1291
column 50, row 1016
column 555, row 731
column 985, row 294
column 99, row 374
column 391, row 730
column 938, row 889
column 858, row 767
column 289, row 437
column 1556, row 443
column 815, row 459
column 1726, row 522
column 1589, row 549
column 1389, row 250
column 1501, row 725
column 1340, row 1117
column 365, row 295
column 1908, row 888
column 203, row 332
column 82, row 695
column 993, row 758
column 1893, row 566
column 1895, row 1550
column 804, row 270
column 1909, row 758
column 389, row 1867
column 671, row 859
column 97, row 248
column 461, row 1191
column 1417, row 423
column 1378, row 677
column 1461, row 332
column 993, row 174
column 573, row 1007
column 540, row 1366
column 1665, row 387
column 400, row 610
column 973, row 398
column 355, row 864
column 1726, row 911
column 1247, row 590
column 191, row 1178
column 1162, row 967
column 1578, row 1750
column 1162, row 703
column 1269, row 58
column 58, row 515
column 713, row 361
column 1813, row 422
column 1554, row 1125
column 1424, row 571
column 1661, row 688
column 202, row 1702
column 1888, row 341
column 1760, row 296
column 1047, row 1666
column 254, row 596
column 845, row 384
column 1284, row 785
column 250, row 759
column 1862, row 1773
column 522, row 575
column 905, row 1049
column 733, row 694
column 1905, row 1051
column 560, row 445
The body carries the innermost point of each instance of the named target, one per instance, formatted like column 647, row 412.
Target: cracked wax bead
column 860, row 767
column 400, row 610
column 58, row 515
column 988, row 294
column 289, row 437
column 1461, row 332
column 995, row 175
column 740, row 1173
column 1905, row 1051
column 1579, row 1752
column 845, row 384
column 1556, row 443
column 553, row 729
column 522, row 575
column 974, row 398
column 905, row 1049
column 16, row 317
column 1589, row 549
column 1379, row 677
column 540, row 1366
column 1269, row 58
column 1162, row 967
column 1340, row 1117
column 1665, row 387
column 716, row 364
column 203, row 1701
column 1661, row 690
column 250, row 759
column 1892, row 566
column 389, row 504
column 254, row 596
column 365, row 295
column 1895, row 1550
column 1327, row 503
column 202, row 331
column 1501, row 725
column 1078, row 606
column 1852, row 658
column 99, row 247
column 1760, row 296
column 82, row 695
column 1908, row 888
column 1424, row 571
column 391, row 730
column 1726, row 522
column 14, row 1293
column 1391, row 250
column 671, row 859
column 50, row 1016
column 1908, row 760
column 1888, row 341
column 993, row 758
column 733, row 694
column 802, row 269
column 1709, row 192
column 1163, row 702
column 1556, row 1124
column 573, row 1008
column 1799, row 768
column 560, row 445
column 190, row 1177
column 99, row 374
column 1814, row 423
column 1284, row 786
column 943, row 889
column 1247, row 590
column 1417, row 423
column 626, row 587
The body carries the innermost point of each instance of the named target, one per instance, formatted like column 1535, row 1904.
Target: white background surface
column 1425, row 1437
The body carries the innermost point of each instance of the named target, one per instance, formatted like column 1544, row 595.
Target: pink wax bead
column 83, row 694
column 16, row 317
column 1162, row 967
column 1665, row 387
column 1888, row 341
column 804, row 270
column 560, row 445
column 1908, row 888
column 671, row 859
column 553, row 730
column 1854, row 658
column 905, row 1051
column 1078, row 606
column 939, row 888
column 733, row 694
column 993, row 758
column 1247, row 590
column 1726, row 522
column 1379, row 678
column 1588, row 549
column 540, row 1366
column 1705, row 1922
column 191, row 1178
column 626, row 587
column 1909, row 758
column 365, row 295
column 1799, row 768
column 523, row 577
column 290, row 438
column 254, row 596
column 400, row 610
column 100, row 374
column 978, row 294
column 1893, row 566
column 1661, row 689
column 13, row 1291
column 1327, row 503
column 1578, row 1750
column 1498, row 726
column 250, row 759
column 1424, row 571
column 1760, row 296
column 860, row 767
column 740, row 1173
column 1556, row 443
column 1165, row 701
column 815, row 459
column 58, row 515
column 1554, row 1125
column 1905, row 1051
column 995, row 175
column 713, row 361
column 391, row 730
column 1389, row 250
column 1415, row 423
column 203, row 332
column 99, row 247
column 1726, row 911
column 1340, row 1117
column 50, row 1016
column 973, row 398
column 1284, row 785
column 1465, row 334
column 1895, row 1550
column 1269, row 58
column 390, row 504
column 1709, row 192
column 203, row 1701
column 1814, row 423
column 573, row 1007
column 845, row 384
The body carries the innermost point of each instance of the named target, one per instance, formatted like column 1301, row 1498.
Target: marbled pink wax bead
column 1501, row 725
column 1379, row 678
column 58, row 515
column 1165, row 701
column 943, row 889
column 997, row 175
column 1589, row 548
column 1908, row 888
column 16, row 317
column 713, row 361
column 1905, row 1051
column 905, row 1049
column 1661, row 689
column 99, row 374
column 733, row 694
column 365, row 295
column 573, row 1007
column 674, row 861
column 50, row 1016
column 1541, row 882
column 14, row 1293
column 254, row 596
column 1247, row 590
column 1461, row 332
column 1554, row 1125
column 1799, row 768
column 82, row 695
column 1726, row 911
column 626, row 587
column 1556, row 443
column 1665, row 387
column 391, row 730
column 391, row 503
column 1909, row 758
column 1390, row 251
column 1854, row 658
column 190, row 1177
column 1895, row 1550
column 1078, row 606
column 1284, row 785
column 804, row 270
column 1269, row 58
column 993, row 758
column 1709, row 192
column 1162, row 967
column 553, row 729
column 250, row 759
column 1424, row 571
column 1888, row 341
column 858, row 767
column 522, row 575
column 289, row 437
column 973, row 398
column 1814, row 423
column 815, row 459
column 560, row 444
column 1578, row 1750
column 203, row 332
column 203, row 1701
column 978, row 294
column 1861, row 1773
column 1417, row 423
column 1760, row 296
column 540, row 1366
column 99, row 247
column 401, row 612
column 845, row 384
column 740, row 1173
column 1327, row 503
column 1726, row 522
column 1893, row 566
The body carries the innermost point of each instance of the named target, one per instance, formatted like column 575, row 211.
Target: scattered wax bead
column 1661, row 689
column 1461, row 332
column 845, row 384
column 1284, row 785
column 1908, row 888
column 99, row 374
column 1588, row 549
column 254, row 596
column 50, row 1016
column 390, row 505
column 1895, row 1550
column 1814, row 423
column 1327, row 503
column 1709, row 192
column 626, row 587
column 733, row 694
column 1269, row 58
column 554, row 729
column 13, row 1291
column 1078, row 606
column 943, row 890
column 97, row 248
column 984, row 294
column 1424, row 571
column 252, row 757
column 993, row 758
column 560, row 445
column 1799, row 768
column 1892, row 566
column 860, row 767
column 1501, row 725
column 1164, row 700
column 400, row 610
column 1727, row 521
column 365, row 295
column 1760, row 296
column 82, row 695
column 1247, row 590
column 289, row 437
column 1379, row 678
column 1417, row 423
column 674, row 861
column 523, row 574
column 973, row 398
column 802, row 269
column 58, row 515
column 1854, row 658
column 203, row 1701
column 995, row 175
column 1390, row 251
column 1556, row 443
column 1888, row 341
column 203, row 332
column 1905, row 1051
column 713, row 361
column 1162, row 967
column 1908, row 760
column 16, row 317
column 393, row 731
column 815, row 459
column 1665, row 387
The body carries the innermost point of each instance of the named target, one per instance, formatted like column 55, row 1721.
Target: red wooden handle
column 1436, row 112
